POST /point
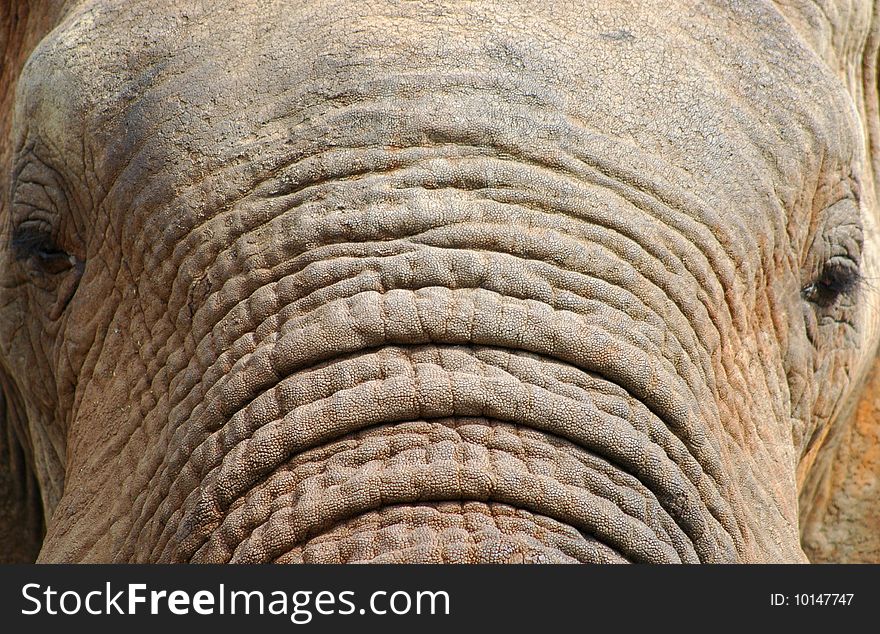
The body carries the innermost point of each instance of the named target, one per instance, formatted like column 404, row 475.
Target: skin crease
column 422, row 281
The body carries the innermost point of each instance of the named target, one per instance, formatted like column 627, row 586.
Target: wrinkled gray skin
column 439, row 281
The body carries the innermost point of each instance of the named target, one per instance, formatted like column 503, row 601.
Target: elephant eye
column 838, row 277
column 34, row 245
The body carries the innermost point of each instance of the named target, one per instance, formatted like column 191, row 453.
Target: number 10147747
column 812, row 598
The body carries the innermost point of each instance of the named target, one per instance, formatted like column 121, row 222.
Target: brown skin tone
column 22, row 26
column 439, row 282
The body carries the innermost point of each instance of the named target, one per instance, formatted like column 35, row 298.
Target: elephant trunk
column 434, row 360
column 448, row 452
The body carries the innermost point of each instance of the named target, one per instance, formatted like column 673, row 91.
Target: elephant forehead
column 726, row 102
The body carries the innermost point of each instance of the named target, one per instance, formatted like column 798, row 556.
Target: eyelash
column 837, row 278
column 34, row 244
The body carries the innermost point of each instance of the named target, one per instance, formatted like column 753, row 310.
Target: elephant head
column 439, row 281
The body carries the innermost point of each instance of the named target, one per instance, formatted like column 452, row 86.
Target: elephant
column 438, row 281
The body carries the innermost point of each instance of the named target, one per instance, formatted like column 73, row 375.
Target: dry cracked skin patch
column 438, row 282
